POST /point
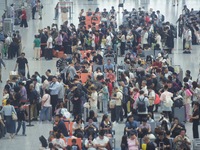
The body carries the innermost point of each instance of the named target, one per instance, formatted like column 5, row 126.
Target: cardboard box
column 13, row 74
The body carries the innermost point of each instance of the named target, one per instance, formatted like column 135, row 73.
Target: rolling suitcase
column 179, row 113
column 50, row 114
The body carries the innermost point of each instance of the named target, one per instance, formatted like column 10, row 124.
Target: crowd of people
column 88, row 80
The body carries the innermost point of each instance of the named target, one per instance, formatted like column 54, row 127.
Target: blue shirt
column 54, row 88
column 132, row 125
column 109, row 66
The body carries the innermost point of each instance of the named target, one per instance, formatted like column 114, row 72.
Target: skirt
column 10, row 124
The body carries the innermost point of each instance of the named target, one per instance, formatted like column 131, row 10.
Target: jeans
column 105, row 106
column 44, row 113
column 118, row 113
column 23, row 124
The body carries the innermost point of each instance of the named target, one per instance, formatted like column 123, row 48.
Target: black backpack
column 141, row 105
column 178, row 102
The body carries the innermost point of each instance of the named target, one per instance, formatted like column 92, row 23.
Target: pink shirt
column 132, row 144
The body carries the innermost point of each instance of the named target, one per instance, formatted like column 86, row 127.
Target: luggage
column 13, row 74
column 179, row 113
column 85, row 113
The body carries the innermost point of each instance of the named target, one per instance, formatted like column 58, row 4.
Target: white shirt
column 144, row 38
column 188, row 35
column 101, row 142
column 119, row 97
column 108, row 40
column 46, row 98
column 145, row 90
column 50, row 42
column 60, row 142
column 93, row 101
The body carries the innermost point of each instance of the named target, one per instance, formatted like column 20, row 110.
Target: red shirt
column 24, row 14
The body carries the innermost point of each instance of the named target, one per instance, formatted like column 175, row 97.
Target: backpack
column 162, row 18
column 141, row 105
column 43, row 141
column 178, row 102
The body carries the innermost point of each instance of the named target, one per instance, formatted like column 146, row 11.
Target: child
column 21, row 115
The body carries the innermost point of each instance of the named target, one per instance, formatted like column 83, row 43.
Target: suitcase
column 179, row 113
column 50, row 114
column 85, row 113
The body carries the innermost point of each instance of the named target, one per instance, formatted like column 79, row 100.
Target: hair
column 105, row 116
column 196, row 103
column 91, row 114
column 101, row 132
column 166, row 87
column 141, row 92
column 194, row 84
column 124, row 140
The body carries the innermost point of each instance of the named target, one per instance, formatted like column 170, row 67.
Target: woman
column 97, row 73
column 195, row 91
column 91, row 116
column 180, row 22
column 158, row 40
column 187, row 101
column 78, row 127
column 93, row 99
column 8, row 110
column 45, row 105
column 195, row 120
column 106, row 125
column 39, row 8
column 133, row 143
column 124, row 143
column 176, row 128
column 89, row 144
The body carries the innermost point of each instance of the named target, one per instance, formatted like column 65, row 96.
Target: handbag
column 14, row 116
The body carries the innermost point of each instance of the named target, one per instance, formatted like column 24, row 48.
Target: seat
column 71, row 128
column 78, row 142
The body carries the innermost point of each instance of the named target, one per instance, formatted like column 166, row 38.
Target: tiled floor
column 171, row 13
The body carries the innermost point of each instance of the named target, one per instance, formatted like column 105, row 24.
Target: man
column 61, row 64
column 54, row 88
column 48, row 53
column 162, row 142
column 150, row 145
column 118, row 105
column 33, row 5
column 1, row 63
column 125, row 97
column 104, row 97
column 174, row 2
column 61, row 125
column 93, row 99
column 182, row 141
column 90, row 128
column 97, row 59
column 131, row 125
column 69, row 70
column 36, row 47
column 34, row 100
column 142, row 104
column 144, row 39
column 109, row 65
column 61, row 90
column 144, row 87
column 101, row 142
column 43, row 38
column 21, row 63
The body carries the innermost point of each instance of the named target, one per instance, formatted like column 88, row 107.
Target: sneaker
column 189, row 52
column 185, row 52
column 24, row 134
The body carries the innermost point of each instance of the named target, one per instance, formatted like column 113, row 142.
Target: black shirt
column 21, row 115
column 150, row 146
column 62, row 128
column 21, row 63
column 195, row 113
column 98, row 59
column 165, row 141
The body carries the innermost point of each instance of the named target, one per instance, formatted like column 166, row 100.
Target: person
column 118, row 105
column 34, row 100
column 61, row 125
column 54, row 90
column 167, row 103
column 48, row 53
column 121, row 4
column 149, row 145
column 91, row 116
column 144, row 128
column 162, row 142
column 124, row 143
column 93, row 99
column 133, row 143
column 142, row 104
column 152, row 97
column 176, row 127
column 1, row 63
column 109, row 65
column 90, row 128
column 174, row 2
column 36, row 47
column 56, row 11
column 23, row 18
column 187, row 40
column 89, row 144
column 131, row 125
column 39, row 7
column 45, row 105
column 34, row 6
column 101, row 142
column 78, row 127
column 58, row 142
column 74, row 145
column 21, row 63
column 182, row 141
column 195, row 120
column 21, row 114
column 104, row 97
column 8, row 110
column 106, row 125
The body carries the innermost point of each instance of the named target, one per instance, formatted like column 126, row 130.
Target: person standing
column 21, row 114
column 8, row 110
column 34, row 6
column 54, row 90
column 1, row 63
column 36, row 47
column 174, row 2
column 105, row 97
column 48, row 53
column 195, row 120
column 39, row 7
column 21, row 63
column 23, row 18
column 45, row 105
column 93, row 99
column 187, row 40
column 121, row 4
column 19, row 37
column 34, row 99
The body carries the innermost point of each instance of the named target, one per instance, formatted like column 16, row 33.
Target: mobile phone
column 161, row 146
